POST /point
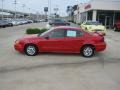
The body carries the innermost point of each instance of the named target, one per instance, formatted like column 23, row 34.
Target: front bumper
column 19, row 47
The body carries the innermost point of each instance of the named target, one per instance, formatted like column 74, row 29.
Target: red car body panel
column 65, row 45
column 117, row 24
column 62, row 45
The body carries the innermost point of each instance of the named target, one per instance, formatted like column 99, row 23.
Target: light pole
column 2, row 9
column 15, row 3
column 29, row 12
column 23, row 9
column 77, row 16
column 56, row 9
column 49, row 6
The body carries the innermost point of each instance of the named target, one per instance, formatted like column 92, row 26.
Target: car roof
column 67, row 27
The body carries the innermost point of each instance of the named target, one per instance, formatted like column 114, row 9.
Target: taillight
column 102, row 39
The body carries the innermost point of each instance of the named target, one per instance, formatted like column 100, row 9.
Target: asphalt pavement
column 50, row 71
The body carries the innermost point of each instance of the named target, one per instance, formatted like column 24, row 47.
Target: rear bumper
column 100, row 47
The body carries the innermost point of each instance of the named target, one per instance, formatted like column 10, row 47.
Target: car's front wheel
column 31, row 50
column 87, row 51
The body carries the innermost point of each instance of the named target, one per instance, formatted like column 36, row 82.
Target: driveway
column 50, row 71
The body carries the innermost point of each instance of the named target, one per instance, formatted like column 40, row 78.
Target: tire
column 115, row 29
column 87, row 51
column 31, row 50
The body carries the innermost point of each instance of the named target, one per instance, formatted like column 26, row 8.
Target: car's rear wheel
column 31, row 50
column 87, row 51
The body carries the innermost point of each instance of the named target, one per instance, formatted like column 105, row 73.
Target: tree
column 75, row 7
column 70, row 11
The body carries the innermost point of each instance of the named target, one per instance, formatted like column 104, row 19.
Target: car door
column 54, row 42
column 74, row 40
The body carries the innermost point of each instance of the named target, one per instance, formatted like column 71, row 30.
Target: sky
column 38, row 5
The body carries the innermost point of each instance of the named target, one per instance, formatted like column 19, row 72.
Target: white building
column 105, row 11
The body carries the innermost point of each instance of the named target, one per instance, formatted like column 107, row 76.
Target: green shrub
column 43, row 30
column 35, row 30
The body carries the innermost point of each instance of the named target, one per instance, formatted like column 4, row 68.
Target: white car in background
column 14, row 22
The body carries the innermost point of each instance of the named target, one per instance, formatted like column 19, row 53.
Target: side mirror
column 47, row 37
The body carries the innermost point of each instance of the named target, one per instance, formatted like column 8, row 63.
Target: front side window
column 45, row 33
column 57, row 34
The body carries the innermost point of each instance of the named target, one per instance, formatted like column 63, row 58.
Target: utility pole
column 56, row 9
column 29, row 12
column 15, row 3
column 2, row 9
column 49, row 6
column 77, row 16
column 23, row 9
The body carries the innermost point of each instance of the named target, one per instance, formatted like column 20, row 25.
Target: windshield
column 58, row 20
column 93, row 23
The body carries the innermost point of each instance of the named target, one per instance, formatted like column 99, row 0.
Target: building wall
column 100, row 5
column 105, row 4
column 92, row 5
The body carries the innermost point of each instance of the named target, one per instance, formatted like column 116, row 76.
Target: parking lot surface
column 50, row 71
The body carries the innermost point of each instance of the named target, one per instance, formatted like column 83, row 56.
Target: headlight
column 17, row 41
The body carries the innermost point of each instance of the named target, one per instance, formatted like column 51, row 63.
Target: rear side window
column 74, row 33
column 71, row 33
column 79, row 33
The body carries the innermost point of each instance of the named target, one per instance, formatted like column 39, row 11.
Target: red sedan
column 62, row 39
